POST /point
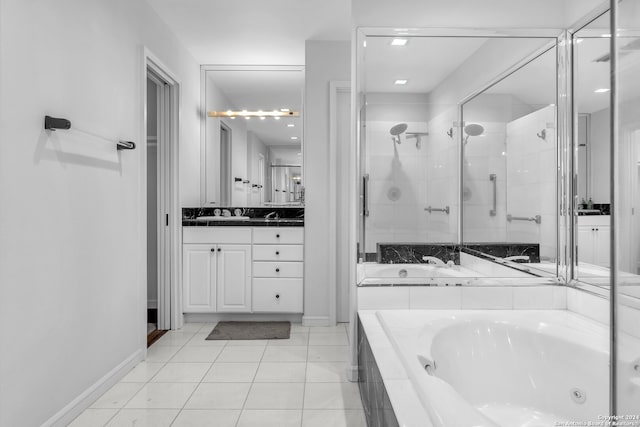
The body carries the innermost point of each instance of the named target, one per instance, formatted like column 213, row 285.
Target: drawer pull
column 213, row 249
column 277, row 269
column 219, row 249
column 277, row 296
column 277, row 252
column 277, row 236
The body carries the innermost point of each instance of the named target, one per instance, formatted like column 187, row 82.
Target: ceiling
column 257, row 32
column 254, row 31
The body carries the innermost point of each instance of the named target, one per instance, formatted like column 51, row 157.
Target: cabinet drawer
column 277, row 295
column 277, row 269
column 276, row 235
column 237, row 235
column 278, row 252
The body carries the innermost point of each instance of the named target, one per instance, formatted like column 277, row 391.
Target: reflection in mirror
column 252, row 127
column 411, row 142
column 591, row 71
column 510, row 167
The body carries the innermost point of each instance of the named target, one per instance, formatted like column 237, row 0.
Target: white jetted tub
column 507, row 368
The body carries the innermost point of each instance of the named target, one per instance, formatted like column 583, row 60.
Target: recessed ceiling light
column 277, row 117
column 299, row 154
column 262, row 117
column 579, row 40
column 399, row 42
column 291, row 125
column 294, row 137
column 285, row 110
column 601, row 90
column 400, row 82
column 247, row 118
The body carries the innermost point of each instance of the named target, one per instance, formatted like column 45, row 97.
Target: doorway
column 162, row 208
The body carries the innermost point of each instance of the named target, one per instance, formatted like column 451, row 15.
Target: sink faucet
column 226, row 212
column 272, row 215
column 433, row 260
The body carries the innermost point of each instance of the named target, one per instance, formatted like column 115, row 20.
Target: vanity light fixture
column 248, row 114
column 601, row 90
column 294, row 138
column 399, row 42
column 400, row 82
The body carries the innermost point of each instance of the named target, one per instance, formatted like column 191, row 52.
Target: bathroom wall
column 600, row 156
column 531, row 180
column 324, row 61
column 72, row 260
column 256, row 148
column 217, row 101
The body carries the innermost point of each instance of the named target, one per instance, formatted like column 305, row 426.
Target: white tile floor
column 188, row 381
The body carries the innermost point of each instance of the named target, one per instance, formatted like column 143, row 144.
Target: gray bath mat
column 250, row 331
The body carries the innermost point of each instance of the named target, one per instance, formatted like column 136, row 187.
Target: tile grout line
column 200, row 382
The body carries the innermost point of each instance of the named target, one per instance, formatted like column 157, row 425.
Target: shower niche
column 457, row 147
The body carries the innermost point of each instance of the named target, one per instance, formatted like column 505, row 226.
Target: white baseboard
column 315, row 321
column 218, row 317
column 352, row 373
column 90, row 395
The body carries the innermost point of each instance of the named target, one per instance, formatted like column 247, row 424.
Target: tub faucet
column 433, row 260
column 272, row 215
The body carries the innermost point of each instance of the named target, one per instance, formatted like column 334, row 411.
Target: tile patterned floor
column 188, row 381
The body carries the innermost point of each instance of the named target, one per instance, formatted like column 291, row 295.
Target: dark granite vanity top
column 252, row 217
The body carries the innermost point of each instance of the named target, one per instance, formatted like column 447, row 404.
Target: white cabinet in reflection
column 594, row 235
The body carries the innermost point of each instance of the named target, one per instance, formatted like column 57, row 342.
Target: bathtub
column 412, row 274
column 506, row 368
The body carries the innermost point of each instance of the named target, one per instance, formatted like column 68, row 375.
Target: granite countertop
column 251, row 222
column 251, row 217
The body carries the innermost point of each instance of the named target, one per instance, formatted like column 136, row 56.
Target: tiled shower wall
column 406, row 178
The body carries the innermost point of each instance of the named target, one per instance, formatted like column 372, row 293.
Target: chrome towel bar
column 445, row 209
column 537, row 219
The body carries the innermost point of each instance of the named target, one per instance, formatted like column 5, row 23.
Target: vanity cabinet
column 243, row 269
column 216, row 270
column 594, row 234
column 278, row 269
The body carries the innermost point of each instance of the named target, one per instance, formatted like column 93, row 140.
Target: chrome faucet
column 272, row 215
column 433, row 260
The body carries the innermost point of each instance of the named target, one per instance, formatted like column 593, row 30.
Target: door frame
column 169, row 237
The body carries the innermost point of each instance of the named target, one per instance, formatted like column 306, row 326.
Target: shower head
column 473, row 129
column 396, row 131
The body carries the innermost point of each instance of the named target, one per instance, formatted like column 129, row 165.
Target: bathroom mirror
column 510, row 167
column 251, row 135
column 591, row 74
column 412, row 130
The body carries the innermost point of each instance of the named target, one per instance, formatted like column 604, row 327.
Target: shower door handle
column 365, row 194
column 494, row 178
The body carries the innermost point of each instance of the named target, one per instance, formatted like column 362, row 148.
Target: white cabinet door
column 234, row 279
column 198, row 278
column 602, row 244
column 586, row 244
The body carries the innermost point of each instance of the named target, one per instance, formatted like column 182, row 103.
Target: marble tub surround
column 386, row 391
column 411, row 253
column 375, row 399
column 258, row 216
column 503, row 250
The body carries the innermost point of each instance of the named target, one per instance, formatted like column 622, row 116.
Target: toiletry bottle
column 590, row 204
column 583, row 204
